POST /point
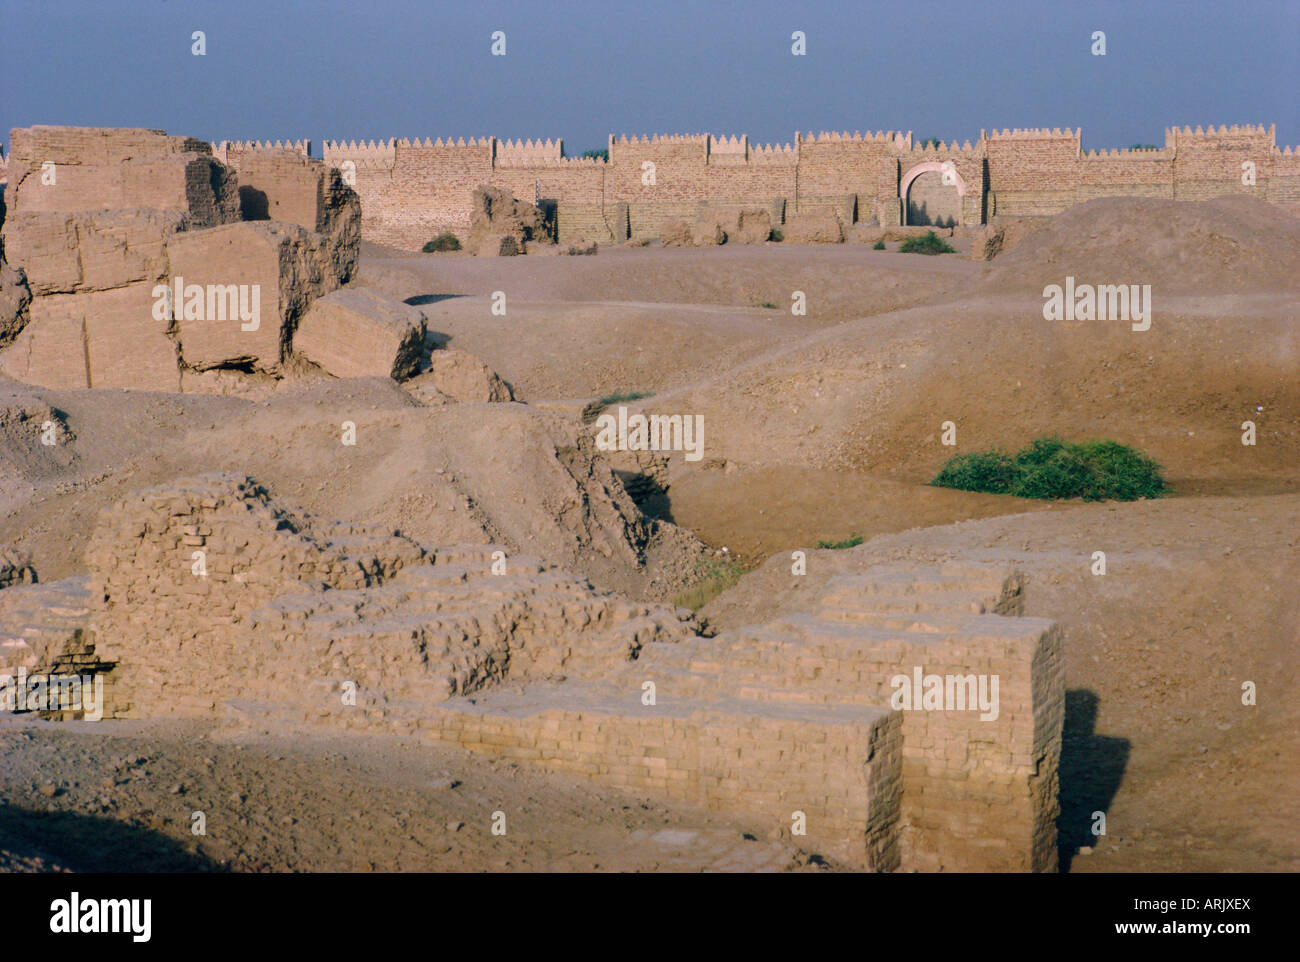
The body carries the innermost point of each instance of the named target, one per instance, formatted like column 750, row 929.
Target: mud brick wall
column 1284, row 179
column 981, row 795
column 1031, row 173
column 978, row 795
column 1133, row 173
column 1209, row 163
column 181, row 640
column 831, row 165
column 790, row 716
column 129, row 208
column 841, row 768
column 288, row 608
column 680, row 174
column 411, row 191
column 577, row 185
column 111, row 168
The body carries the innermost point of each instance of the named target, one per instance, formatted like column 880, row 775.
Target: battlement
column 301, row 146
column 1129, row 153
column 842, row 137
column 635, row 139
column 370, row 155
column 774, row 155
column 949, row 149
column 1034, row 133
column 729, row 145
column 1211, row 133
column 228, row 151
column 520, row 152
column 412, row 189
column 439, row 144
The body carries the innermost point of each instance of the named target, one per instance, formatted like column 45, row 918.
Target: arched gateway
column 926, row 197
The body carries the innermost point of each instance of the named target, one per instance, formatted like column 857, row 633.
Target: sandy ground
column 123, row 797
column 819, row 426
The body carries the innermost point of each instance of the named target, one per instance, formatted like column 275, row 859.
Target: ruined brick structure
column 412, row 190
column 208, row 599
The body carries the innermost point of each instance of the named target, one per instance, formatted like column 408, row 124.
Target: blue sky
column 580, row 70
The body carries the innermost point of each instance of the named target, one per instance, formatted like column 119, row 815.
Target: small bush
column 878, row 245
column 990, row 471
column 850, row 542
column 446, row 241
column 777, row 235
column 712, row 579
column 928, row 243
column 1053, row 469
column 768, row 304
column 620, row 396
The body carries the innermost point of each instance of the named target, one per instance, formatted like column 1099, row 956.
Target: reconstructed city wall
column 412, row 190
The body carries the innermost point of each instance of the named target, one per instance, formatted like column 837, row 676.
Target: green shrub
column 991, row 471
column 878, row 246
column 928, row 243
column 768, row 304
column 602, row 154
column 620, row 396
column 446, row 241
column 777, row 235
column 850, row 542
column 712, row 579
column 1052, row 469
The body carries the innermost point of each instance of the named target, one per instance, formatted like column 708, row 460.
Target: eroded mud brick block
column 359, row 333
column 126, row 341
column 813, row 228
column 112, row 168
column 96, row 339
column 91, row 251
column 284, row 185
column 51, row 350
column 242, row 288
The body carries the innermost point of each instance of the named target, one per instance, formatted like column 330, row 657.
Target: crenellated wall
column 413, row 190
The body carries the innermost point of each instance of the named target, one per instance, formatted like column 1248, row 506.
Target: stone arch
column 926, row 199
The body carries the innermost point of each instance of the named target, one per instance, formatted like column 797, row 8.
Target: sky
column 373, row 69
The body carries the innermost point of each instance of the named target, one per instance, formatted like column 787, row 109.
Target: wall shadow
column 89, row 843
column 253, row 204
column 1092, row 769
column 421, row 299
column 918, row 215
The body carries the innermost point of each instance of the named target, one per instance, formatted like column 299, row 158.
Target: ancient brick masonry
column 101, row 219
column 412, row 190
column 208, row 599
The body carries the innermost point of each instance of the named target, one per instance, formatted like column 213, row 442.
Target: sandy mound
column 1227, row 244
column 872, row 395
column 482, row 473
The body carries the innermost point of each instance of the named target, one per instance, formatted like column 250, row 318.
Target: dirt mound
column 1227, row 244
column 33, row 435
column 473, row 472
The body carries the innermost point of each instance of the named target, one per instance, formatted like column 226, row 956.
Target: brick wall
column 206, row 598
column 411, row 191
